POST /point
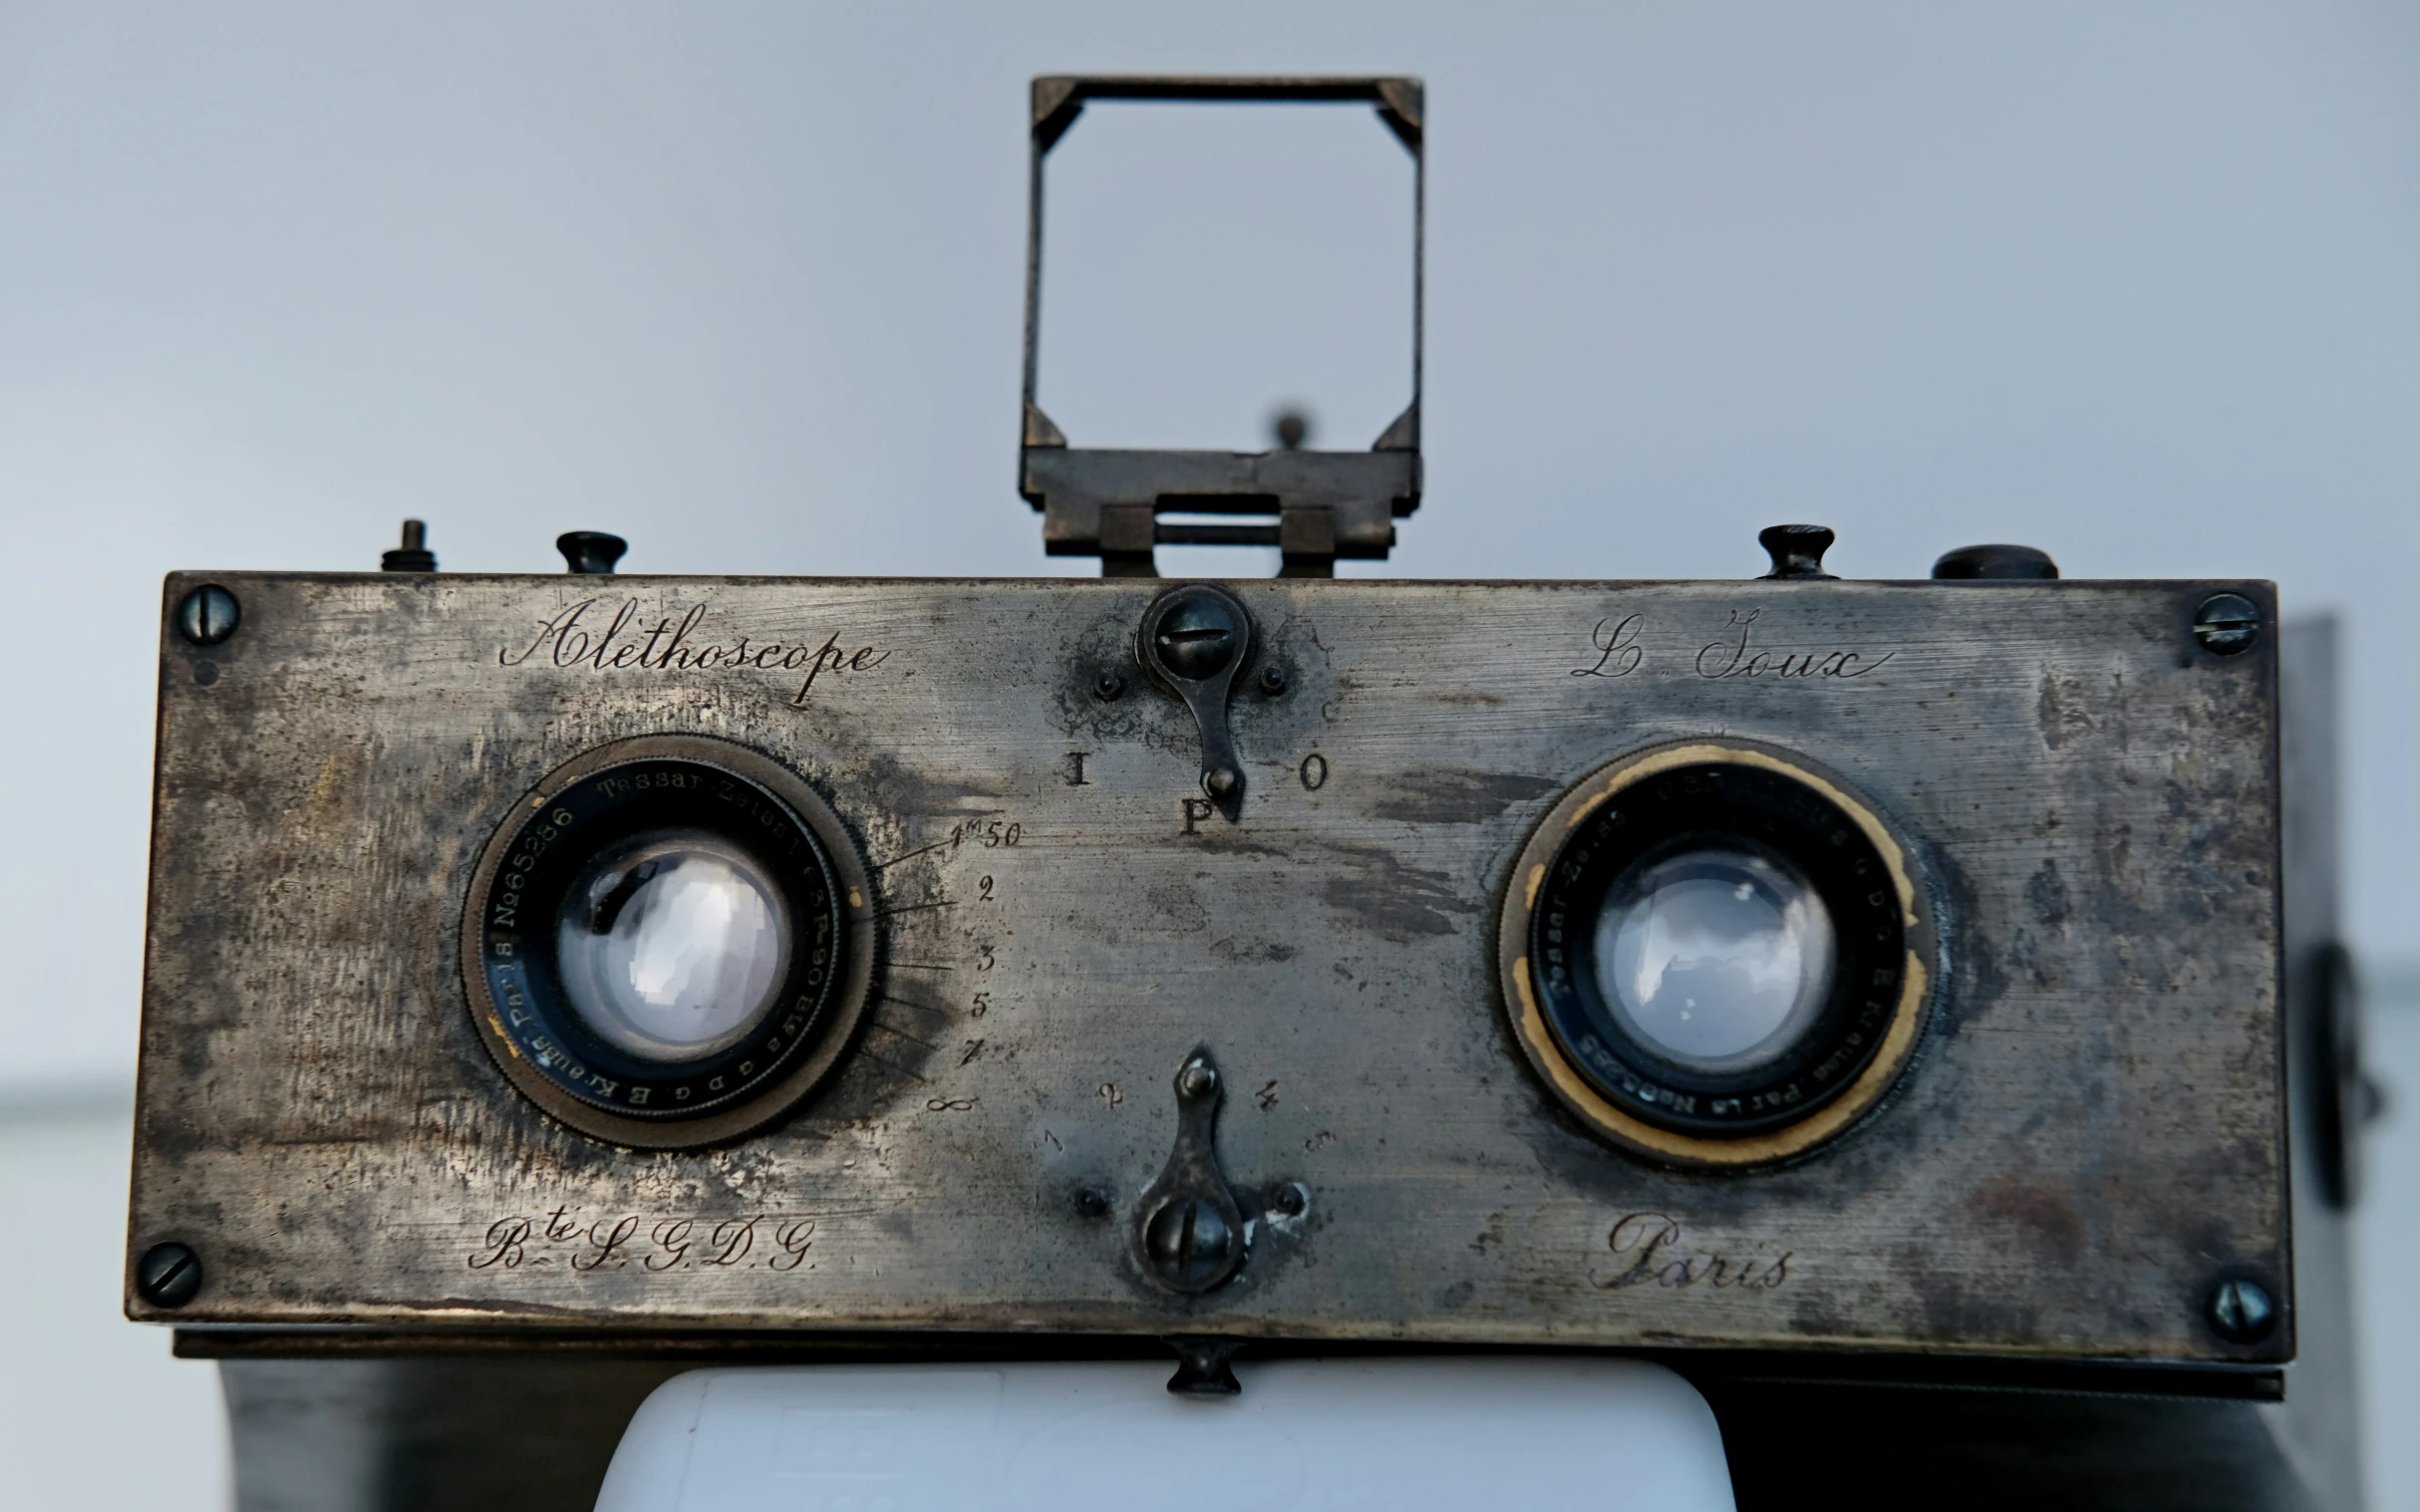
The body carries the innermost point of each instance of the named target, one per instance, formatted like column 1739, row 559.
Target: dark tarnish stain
column 909, row 792
column 1397, row 902
column 1234, row 953
column 1456, row 797
column 1176, row 908
column 2047, row 892
column 2042, row 1214
column 1969, row 1314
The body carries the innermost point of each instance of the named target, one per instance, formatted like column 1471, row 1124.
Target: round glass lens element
column 673, row 945
column 1715, row 958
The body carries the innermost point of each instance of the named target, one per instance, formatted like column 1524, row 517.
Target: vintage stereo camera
column 1774, row 969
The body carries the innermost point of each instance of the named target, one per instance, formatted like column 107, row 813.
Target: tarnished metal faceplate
column 2088, row 1137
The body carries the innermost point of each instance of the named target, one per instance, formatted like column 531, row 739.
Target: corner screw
column 1092, row 1202
column 2241, row 1312
column 1109, row 687
column 207, row 615
column 2227, row 624
column 1274, row 680
column 169, row 1275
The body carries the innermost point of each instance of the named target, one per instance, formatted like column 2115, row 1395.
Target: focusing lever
column 1190, row 1232
column 1194, row 639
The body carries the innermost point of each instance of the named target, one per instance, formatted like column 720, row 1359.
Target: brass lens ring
column 767, row 840
column 1861, row 1034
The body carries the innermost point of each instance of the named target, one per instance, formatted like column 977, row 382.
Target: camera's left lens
column 673, row 944
column 669, row 942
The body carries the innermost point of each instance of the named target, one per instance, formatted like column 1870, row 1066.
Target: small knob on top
column 1797, row 550
column 1975, row 563
column 591, row 551
column 414, row 554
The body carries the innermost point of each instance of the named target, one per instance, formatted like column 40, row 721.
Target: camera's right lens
column 1718, row 958
column 1710, row 946
column 672, row 945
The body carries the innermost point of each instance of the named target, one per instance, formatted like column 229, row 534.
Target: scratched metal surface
column 2089, row 1135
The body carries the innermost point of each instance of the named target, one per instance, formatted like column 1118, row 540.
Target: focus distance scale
column 669, row 943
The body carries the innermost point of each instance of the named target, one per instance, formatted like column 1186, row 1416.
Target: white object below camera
column 1305, row 1435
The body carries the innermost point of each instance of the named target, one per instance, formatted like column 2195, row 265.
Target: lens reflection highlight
column 672, row 945
column 1716, row 958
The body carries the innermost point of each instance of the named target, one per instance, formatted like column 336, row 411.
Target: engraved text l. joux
column 1733, row 656
column 1616, row 642
column 621, row 644
column 1649, row 1250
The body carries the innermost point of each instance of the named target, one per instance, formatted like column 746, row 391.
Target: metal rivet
column 207, row 615
column 1288, row 1199
column 1092, row 1202
column 2227, row 624
column 1274, row 680
column 1221, row 782
column 205, row 672
column 1196, row 1080
column 1109, row 687
column 2241, row 1312
column 169, row 1275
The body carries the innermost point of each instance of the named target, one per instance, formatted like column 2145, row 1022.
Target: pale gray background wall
column 2138, row 284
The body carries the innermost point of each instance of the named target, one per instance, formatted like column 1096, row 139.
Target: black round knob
column 1797, row 550
column 414, row 554
column 591, row 551
column 1976, row 563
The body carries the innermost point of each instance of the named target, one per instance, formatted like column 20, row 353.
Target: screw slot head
column 1190, row 1244
column 2227, row 624
column 2241, row 1312
column 1108, row 687
column 1196, row 637
column 1274, row 680
column 207, row 615
column 169, row 1275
